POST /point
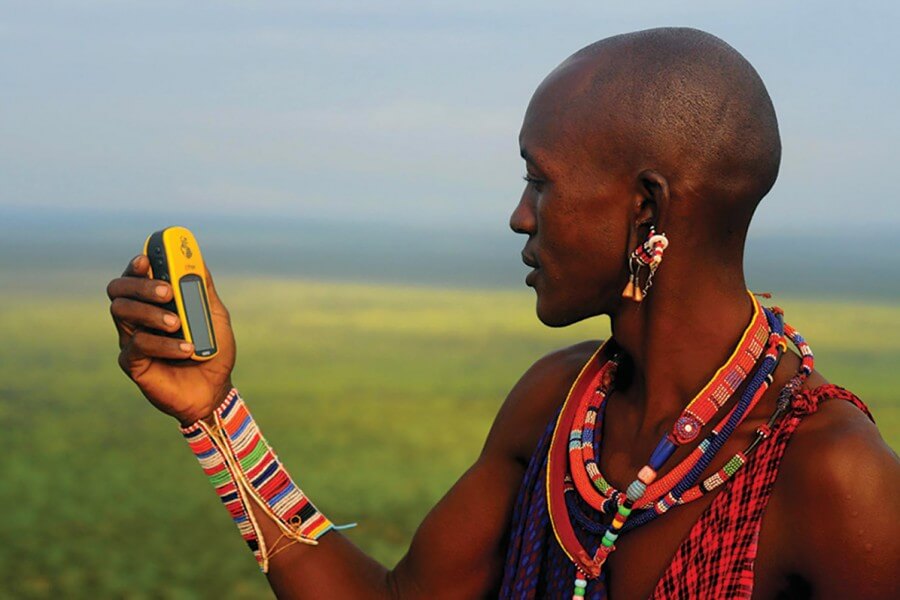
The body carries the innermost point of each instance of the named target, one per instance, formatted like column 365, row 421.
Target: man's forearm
column 334, row 568
column 282, row 527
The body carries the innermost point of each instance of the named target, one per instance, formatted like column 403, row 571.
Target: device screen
column 195, row 307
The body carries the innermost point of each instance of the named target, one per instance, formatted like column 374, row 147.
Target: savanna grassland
column 376, row 397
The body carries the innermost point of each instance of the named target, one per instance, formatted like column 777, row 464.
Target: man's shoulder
column 839, row 490
column 534, row 398
column 835, row 447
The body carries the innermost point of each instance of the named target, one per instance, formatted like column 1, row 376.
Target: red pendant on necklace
column 590, row 388
column 726, row 380
column 583, row 465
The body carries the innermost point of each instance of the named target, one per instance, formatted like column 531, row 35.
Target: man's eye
column 533, row 181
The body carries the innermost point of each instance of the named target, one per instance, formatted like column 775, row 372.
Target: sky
column 409, row 112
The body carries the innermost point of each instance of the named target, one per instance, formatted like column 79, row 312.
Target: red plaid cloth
column 716, row 559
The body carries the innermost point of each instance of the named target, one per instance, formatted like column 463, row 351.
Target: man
column 665, row 128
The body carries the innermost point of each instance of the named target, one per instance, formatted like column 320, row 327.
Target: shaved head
column 676, row 100
column 666, row 129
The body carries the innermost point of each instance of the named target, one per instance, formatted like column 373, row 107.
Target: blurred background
column 349, row 169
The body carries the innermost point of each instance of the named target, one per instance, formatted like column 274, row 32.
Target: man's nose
column 522, row 219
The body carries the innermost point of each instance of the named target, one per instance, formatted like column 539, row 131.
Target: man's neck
column 677, row 338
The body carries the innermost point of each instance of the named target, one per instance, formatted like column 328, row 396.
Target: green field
column 376, row 397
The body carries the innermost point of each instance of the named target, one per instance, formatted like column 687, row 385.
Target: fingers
column 145, row 345
column 137, row 313
column 139, row 288
column 138, row 267
column 142, row 348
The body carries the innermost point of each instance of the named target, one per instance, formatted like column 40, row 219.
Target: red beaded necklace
column 658, row 496
column 594, row 381
column 584, row 436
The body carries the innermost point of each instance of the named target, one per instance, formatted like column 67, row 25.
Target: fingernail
column 170, row 319
column 161, row 291
column 135, row 260
column 186, row 347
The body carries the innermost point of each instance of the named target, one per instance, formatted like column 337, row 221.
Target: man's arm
column 841, row 484
column 458, row 550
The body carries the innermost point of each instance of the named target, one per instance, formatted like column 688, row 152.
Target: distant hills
column 833, row 264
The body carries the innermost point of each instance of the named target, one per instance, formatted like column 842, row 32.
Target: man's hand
column 161, row 366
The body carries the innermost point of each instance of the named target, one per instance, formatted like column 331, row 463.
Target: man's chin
column 554, row 314
column 551, row 316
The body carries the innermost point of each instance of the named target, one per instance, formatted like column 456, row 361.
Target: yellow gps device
column 175, row 257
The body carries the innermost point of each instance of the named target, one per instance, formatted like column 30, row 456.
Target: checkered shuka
column 716, row 558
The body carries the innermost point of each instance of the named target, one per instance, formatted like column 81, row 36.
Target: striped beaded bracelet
column 243, row 468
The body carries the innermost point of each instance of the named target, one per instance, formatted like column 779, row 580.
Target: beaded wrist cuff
column 243, row 468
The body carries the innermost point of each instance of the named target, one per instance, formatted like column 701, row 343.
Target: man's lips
column 531, row 262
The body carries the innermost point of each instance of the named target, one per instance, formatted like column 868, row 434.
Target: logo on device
column 186, row 248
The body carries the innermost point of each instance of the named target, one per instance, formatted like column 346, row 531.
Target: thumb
column 214, row 300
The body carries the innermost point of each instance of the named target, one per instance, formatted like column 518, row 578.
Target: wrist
column 245, row 470
column 207, row 416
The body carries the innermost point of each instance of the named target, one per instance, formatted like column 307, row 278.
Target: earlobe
column 649, row 254
column 650, row 201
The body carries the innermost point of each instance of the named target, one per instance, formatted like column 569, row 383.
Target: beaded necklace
column 698, row 412
column 667, row 499
column 686, row 490
column 656, row 492
column 588, row 479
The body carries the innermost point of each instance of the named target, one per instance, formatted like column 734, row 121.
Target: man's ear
column 652, row 198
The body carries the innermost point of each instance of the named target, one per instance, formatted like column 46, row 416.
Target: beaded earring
column 649, row 254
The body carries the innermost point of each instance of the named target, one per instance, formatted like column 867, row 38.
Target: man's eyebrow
column 530, row 159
